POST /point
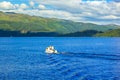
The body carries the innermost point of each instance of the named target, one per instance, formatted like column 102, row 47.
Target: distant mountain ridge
column 25, row 24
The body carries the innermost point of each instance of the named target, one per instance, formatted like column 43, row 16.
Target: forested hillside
column 111, row 33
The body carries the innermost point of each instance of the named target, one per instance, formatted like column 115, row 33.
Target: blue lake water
column 83, row 59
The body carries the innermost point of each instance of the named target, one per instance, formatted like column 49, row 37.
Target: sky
column 87, row 11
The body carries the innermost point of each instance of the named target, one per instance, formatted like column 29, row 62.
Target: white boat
column 51, row 50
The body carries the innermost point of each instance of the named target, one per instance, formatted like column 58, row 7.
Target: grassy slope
column 112, row 33
column 26, row 23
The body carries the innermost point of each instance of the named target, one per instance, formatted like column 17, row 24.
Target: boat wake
column 76, row 66
column 93, row 55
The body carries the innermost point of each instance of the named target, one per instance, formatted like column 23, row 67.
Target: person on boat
column 51, row 50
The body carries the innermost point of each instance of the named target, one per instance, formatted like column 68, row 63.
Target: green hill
column 22, row 23
column 111, row 33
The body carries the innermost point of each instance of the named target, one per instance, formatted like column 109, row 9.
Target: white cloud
column 110, row 17
column 55, row 14
column 85, row 11
column 9, row 6
column 40, row 6
column 31, row 4
column 16, row 6
column 61, row 4
column 6, row 5
column 23, row 6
